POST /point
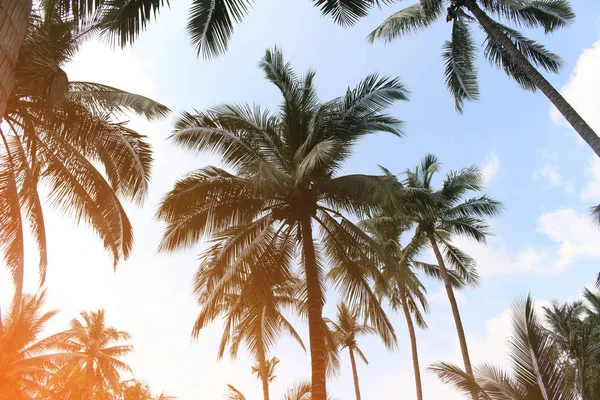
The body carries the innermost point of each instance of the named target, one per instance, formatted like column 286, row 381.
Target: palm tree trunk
column 354, row 373
column 459, row 327
column 315, row 308
column 413, row 346
column 578, row 123
column 14, row 17
column 264, row 376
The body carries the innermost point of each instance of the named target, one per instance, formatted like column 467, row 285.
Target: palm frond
column 547, row 14
column 408, row 20
column 347, row 12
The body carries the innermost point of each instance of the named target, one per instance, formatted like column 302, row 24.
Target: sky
column 547, row 178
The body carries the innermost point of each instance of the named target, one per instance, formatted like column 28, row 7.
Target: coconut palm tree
column 26, row 361
column 401, row 284
column 253, row 304
column 268, row 369
column 346, row 329
column 300, row 391
column 96, row 365
column 440, row 215
column 536, row 371
column 284, row 180
column 504, row 46
column 133, row 389
column 57, row 133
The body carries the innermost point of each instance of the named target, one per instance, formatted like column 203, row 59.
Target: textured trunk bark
column 14, row 17
column 315, row 309
column 578, row 123
column 459, row 326
column 413, row 346
column 354, row 373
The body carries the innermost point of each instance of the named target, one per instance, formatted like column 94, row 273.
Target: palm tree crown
column 285, row 179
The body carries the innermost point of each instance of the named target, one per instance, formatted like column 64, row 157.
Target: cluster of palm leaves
column 558, row 359
column 80, row 363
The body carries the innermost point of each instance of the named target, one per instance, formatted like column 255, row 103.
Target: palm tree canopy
column 536, row 372
column 286, row 168
column 460, row 52
column 26, row 361
column 56, row 133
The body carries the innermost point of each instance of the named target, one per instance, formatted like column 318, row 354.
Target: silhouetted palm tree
column 26, row 361
column 285, row 179
column 505, row 47
column 440, row 215
column 345, row 329
column 58, row 133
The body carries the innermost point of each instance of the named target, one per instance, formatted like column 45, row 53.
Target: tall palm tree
column 252, row 300
column 267, row 369
column 285, row 179
column 401, row 284
column 440, row 215
column 536, row 371
column 98, row 349
column 210, row 23
column 57, row 133
column 505, row 47
column 26, row 361
column 346, row 329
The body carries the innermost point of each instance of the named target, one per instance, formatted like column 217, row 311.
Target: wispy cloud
column 552, row 178
column 490, row 167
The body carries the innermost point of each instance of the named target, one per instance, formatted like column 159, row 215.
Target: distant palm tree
column 505, row 47
column 98, row 349
column 346, row 329
column 285, row 180
column 133, row 389
column 26, row 361
column 440, row 215
column 253, row 305
column 536, row 372
column 300, row 391
column 58, row 133
column 267, row 369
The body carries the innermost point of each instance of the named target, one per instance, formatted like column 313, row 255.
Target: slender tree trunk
column 264, row 376
column 315, row 308
column 459, row 327
column 576, row 121
column 354, row 373
column 413, row 345
column 14, row 17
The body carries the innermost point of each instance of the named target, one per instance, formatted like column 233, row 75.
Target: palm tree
column 253, row 304
column 536, row 372
column 575, row 329
column 27, row 362
column 300, row 391
column 505, row 47
column 57, row 133
column 401, row 284
column 346, row 328
column 441, row 214
column 285, row 179
column 268, row 369
column 98, row 350
column 133, row 389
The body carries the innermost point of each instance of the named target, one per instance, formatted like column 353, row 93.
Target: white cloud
column 583, row 89
column 490, row 167
column 575, row 233
column 549, row 175
column 591, row 192
column 494, row 259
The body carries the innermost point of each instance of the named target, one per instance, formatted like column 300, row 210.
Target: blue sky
column 534, row 163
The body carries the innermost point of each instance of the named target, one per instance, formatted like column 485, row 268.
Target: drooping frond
column 347, row 12
column 547, row 14
column 459, row 57
column 408, row 20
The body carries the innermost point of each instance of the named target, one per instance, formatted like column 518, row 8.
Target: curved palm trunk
column 576, row 121
column 459, row 327
column 354, row 373
column 315, row 309
column 14, row 17
column 413, row 346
